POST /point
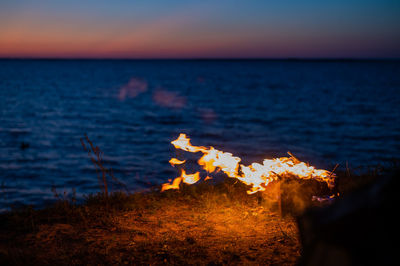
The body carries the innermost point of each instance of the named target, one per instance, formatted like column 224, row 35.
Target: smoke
column 132, row 89
column 169, row 99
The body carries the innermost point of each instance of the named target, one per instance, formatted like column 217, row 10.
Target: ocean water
column 323, row 112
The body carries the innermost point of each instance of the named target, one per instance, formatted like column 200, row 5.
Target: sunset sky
column 200, row 29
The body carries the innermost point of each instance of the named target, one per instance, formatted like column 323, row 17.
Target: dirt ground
column 202, row 228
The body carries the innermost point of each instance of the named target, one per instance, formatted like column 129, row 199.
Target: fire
column 256, row 175
column 186, row 178
column 175, row 161
column 190, row 178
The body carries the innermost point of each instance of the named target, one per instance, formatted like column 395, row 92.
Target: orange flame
column 175, row 161
column 186, row 178
column 174, row 185
column 256, row 175
column 190, row 178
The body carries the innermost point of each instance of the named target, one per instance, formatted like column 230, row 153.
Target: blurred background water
column 323, row 112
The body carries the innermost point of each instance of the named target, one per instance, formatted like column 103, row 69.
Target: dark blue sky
column 198, row 29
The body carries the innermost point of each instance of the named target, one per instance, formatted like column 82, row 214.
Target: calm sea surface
column 323, row 112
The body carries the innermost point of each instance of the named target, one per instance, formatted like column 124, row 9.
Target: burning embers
column 256, row 175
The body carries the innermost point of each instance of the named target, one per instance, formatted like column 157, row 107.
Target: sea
column 325, row 112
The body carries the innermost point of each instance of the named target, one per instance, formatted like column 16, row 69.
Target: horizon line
column 212, row 58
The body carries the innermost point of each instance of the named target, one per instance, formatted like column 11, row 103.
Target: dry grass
column 198, row 225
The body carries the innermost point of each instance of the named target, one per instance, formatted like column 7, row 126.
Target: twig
column 334, row 168
column 293, row 157
column 97, row 161
column 284, row 233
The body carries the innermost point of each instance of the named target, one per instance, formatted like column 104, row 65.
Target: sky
column 200, row 29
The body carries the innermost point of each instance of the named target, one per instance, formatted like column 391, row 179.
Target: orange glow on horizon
column 190, row 30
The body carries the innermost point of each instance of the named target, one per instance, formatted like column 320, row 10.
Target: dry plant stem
column 348, row 172
column 283, row 232
column 334, row 169
column 119, row 182
column 294, row 157
column 97, row 161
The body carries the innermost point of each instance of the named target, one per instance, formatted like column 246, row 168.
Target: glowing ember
column 256, row 175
